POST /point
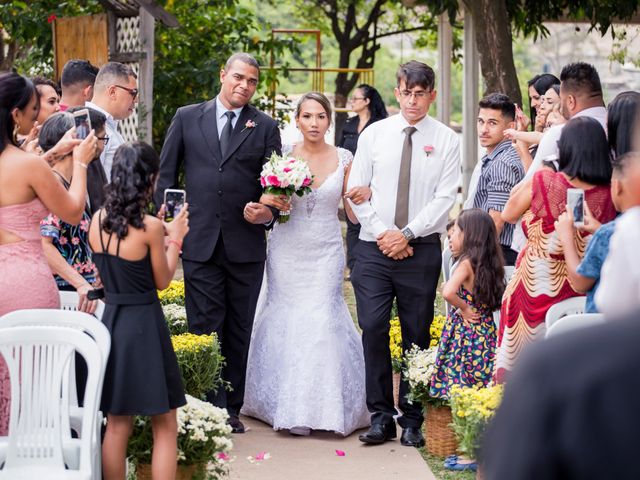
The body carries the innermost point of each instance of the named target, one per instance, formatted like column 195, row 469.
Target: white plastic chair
column 69, row 301
column 570, row 306
column 38, row 359
column 98, row 333
column 571, row 323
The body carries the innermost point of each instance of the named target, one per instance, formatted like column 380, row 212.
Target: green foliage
column 188, row 59
column 200, row 362
column 26, row 32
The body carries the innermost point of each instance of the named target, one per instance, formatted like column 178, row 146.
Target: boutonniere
column 249, row 124
column 428, row 149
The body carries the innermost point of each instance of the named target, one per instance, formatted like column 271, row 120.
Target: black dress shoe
column 412, row 437
column 236, row 425
column 379, row 433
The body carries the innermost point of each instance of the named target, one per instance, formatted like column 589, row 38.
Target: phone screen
column 173, row 203
column 575, row 201
column 83, row 123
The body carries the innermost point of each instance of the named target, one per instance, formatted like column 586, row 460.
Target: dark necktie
column 402, row 197
column 225, row 136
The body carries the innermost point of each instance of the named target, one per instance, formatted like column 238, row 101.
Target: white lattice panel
column 128, row 40
column 129, row 126
column 128, row 34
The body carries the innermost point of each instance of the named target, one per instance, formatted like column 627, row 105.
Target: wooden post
column 145, row 78
column 470, row 101
column 445, row 41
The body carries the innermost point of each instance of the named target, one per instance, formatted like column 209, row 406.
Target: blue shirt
column 594, row 257
column 501, row 170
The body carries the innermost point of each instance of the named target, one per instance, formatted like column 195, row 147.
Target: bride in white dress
column 306, row 367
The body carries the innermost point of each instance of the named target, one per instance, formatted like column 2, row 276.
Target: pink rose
column 428, row 149
column 286, row 170
column 273, row 181
column 307, row 181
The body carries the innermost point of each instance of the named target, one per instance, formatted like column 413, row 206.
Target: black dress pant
column 353, row 232
column 221, row 297
column 377, row 279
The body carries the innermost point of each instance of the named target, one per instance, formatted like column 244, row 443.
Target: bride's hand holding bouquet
column 282, row 177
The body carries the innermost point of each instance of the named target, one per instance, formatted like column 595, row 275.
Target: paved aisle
column 314, row 457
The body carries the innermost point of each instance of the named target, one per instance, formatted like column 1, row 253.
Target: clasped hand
column 394, row 245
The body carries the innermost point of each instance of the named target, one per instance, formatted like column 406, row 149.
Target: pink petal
column 260, row 456
column 340, row 453
column 223, row 456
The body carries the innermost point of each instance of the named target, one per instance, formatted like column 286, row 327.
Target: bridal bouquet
column 285, row 176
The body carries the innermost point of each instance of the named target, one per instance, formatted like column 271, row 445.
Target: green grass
column 441, row 473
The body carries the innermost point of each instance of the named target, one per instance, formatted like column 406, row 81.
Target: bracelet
column 176, row 243
column 82, row 165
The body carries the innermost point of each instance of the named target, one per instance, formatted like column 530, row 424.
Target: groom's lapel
column 241, row 131
column 209, row 128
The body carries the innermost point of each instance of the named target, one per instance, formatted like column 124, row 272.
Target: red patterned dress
column 540, row 278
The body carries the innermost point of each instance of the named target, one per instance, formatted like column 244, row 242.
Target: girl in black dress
column 142, row 376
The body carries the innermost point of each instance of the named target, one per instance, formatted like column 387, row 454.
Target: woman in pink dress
column 29, row 190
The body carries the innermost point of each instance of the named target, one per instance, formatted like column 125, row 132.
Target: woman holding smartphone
column 142, row 376
column 540, row 279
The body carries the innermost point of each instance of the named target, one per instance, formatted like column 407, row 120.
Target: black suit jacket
column 218, row 187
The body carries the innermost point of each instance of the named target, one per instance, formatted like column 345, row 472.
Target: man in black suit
column 223, row 144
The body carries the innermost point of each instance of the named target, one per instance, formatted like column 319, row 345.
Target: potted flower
column 204, row 440
column 419, row 366
column 472, row 408
column 174, row 293
column 200, row 362
column 395, row 347
column 176, row 317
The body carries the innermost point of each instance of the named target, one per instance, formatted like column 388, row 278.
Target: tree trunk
column 494, row 40
column 344, row 84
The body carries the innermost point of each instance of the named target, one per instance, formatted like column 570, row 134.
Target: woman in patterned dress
column 466, row 351
column 540, row 279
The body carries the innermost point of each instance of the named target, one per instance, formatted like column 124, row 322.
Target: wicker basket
column 184, row 472
column 439, row 436
column 396, row 389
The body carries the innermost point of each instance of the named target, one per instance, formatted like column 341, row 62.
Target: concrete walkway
column 315, row 458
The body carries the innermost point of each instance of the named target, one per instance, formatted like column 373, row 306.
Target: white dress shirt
column 222, row 119
column 619, row 289
column 434, row 178
column 115, row 139
column 549, row 142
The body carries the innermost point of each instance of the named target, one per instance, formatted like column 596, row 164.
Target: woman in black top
column 368, row 104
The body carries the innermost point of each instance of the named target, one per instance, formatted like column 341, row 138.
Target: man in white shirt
column 115, row 94
column 580, row 96
column 412, row 164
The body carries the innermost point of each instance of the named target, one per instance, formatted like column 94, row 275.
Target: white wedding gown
column 306, row 366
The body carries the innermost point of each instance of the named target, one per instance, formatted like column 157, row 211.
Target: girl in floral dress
column 467, row 347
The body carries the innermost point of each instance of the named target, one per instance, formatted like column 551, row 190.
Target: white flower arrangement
column 418, row 370
column 176, row 317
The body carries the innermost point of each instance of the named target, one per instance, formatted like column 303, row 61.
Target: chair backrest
column 69, row 301
column 38, row 359
column 575, row 322
column 570, row 306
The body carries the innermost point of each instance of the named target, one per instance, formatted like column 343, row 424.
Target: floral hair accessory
column 428, row 149
column 249, row 124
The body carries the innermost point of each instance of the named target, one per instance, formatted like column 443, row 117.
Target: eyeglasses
column 353, row 99
column 418, row 94
column 132, row 91
column 105, row 139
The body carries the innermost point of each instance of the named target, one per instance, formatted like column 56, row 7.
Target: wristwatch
column 408, row 234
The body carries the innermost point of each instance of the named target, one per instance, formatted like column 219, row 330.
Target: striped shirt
column 501, row 170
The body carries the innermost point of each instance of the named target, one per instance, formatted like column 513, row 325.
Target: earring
column 16, row 129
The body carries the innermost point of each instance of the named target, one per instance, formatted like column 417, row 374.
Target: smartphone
column 173, row 202
column 575, row 201
column 83, row 123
